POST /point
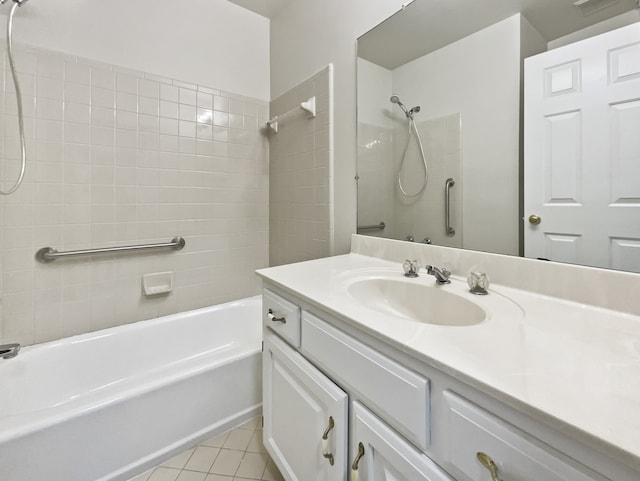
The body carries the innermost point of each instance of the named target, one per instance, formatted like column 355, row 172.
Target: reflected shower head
column 395, row 99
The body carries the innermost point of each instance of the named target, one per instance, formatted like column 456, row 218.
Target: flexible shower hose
column 412, row 129
column 16, row 83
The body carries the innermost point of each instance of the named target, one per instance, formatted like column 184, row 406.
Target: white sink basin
column 418, row 300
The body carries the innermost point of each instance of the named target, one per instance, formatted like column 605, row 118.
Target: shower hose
column 16, row 83
column 412, row 130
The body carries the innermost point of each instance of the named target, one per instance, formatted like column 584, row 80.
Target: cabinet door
column 298, row 403
column 387, row 457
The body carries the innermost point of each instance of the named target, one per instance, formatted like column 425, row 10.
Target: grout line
column 234, row 477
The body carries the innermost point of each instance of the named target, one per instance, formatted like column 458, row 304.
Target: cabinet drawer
column 398, row 395
column 282, row 316
column 472, row 430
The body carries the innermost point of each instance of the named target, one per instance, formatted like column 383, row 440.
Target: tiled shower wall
column 376, row 186
column 119, row 157
column 424, row 216
column 300, row 173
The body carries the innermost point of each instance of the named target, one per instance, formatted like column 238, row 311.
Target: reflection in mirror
column 527, row 115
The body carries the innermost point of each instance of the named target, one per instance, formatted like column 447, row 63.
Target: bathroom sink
column 416, row 300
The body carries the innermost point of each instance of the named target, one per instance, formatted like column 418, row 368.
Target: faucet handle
column 478, row 283
column 410, row 268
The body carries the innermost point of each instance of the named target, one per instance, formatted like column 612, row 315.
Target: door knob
column 534, row 219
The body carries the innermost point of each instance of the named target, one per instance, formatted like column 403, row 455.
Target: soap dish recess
column 157, row 283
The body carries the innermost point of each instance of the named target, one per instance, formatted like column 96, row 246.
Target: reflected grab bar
column 450, row 231
column 48, row 254
column 379, row 226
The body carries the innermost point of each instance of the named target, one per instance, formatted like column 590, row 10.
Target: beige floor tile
column 227, row 462
column 238, row 439
column 142, row 476
column 251, row 424
column 179, row 460
column 217, row 441
column 271, row 473
column 255, row 444
column 252, row 465
column 218, row 477
column 236, row 455
column 191, row 476
column 164, row 474
column 202, row 459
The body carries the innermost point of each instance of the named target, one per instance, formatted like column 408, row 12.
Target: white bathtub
column 109, row 404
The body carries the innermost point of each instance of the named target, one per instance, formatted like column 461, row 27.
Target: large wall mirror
column 507, row 127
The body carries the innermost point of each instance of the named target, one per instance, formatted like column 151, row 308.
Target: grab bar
column 49, row 254
column 450, row 231
column 380, row 226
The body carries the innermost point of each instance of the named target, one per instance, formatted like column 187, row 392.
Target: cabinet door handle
column 325, row 442
column 356, row 462
column 273, row 318
column 488, row 463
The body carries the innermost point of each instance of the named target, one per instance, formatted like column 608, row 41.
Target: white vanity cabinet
column 402, row 419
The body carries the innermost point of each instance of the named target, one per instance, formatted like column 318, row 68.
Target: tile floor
column 237, row 455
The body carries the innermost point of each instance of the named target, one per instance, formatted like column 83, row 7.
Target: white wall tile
column 125, row 157
column 300, row 157
column 78, row 73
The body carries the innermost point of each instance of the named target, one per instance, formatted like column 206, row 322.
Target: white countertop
column 566, row 363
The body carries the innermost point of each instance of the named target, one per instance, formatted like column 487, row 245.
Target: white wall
column 206, row 42
column 478, row 76
column 305, row 37
column 375, row 87
column 611, row 24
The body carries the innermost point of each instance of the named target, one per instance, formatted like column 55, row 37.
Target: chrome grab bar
column 450, row 231
column 48, row 254
column 380, row 226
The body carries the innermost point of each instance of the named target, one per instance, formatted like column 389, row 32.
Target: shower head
column 395, row 99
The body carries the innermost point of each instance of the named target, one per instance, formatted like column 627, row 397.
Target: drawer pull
column 356, row 462
column 273, row 318
column 325, row 442
column 488, row 463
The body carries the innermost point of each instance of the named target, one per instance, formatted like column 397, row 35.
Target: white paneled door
column 582, row 152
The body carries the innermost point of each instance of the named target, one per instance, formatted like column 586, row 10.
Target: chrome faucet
column 441, row 275
column 7, row 351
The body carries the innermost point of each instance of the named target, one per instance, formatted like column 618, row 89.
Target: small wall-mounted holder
column 309, row 106
column 157, row 283
column 273, row 124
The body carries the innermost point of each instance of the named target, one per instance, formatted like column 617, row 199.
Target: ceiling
column 428, row 25
column 266, row 8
